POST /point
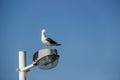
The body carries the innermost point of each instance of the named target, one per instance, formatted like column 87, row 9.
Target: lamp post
column 44, row 59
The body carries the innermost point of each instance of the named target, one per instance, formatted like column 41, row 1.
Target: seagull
column 48, row 42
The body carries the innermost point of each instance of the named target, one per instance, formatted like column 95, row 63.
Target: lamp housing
column 46, row 58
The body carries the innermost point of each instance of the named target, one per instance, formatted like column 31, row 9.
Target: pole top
column 22, row 51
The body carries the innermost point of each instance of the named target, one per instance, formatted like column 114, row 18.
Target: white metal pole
column 22, row 64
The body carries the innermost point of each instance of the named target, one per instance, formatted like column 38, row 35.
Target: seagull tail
column 58, row 44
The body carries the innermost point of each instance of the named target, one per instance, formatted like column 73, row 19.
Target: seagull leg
column 48, row 47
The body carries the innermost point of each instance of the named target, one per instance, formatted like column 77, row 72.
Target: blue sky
column 89, row 31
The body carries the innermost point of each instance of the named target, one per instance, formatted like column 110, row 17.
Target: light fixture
column 46, row 58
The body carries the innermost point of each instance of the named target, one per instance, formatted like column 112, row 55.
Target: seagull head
column 43, row 30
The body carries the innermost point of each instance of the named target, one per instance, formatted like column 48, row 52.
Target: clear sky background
column 89, row 31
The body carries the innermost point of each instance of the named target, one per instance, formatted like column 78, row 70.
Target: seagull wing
column 51, row 41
